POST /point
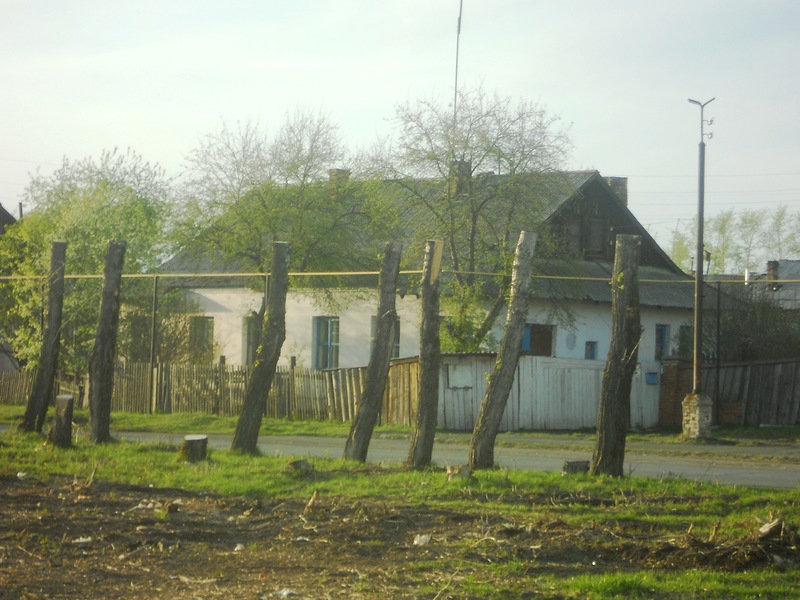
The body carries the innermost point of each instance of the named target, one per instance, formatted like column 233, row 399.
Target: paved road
column 737, row 465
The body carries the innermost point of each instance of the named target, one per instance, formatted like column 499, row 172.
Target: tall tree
column 778, row 234
column 720, row 239
column 472, row 182
column 297, row 186
column 87, row 203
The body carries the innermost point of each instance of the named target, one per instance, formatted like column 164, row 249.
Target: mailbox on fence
column 651, row 378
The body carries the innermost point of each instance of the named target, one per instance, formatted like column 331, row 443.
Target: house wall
column 231, row 307
column 593, row 323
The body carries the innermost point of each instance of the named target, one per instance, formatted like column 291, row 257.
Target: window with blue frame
column 537, row 340
column 326, row 342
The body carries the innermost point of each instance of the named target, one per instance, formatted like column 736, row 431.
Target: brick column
column 697, row 410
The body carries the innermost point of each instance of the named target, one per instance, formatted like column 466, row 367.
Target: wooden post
column 615, row 396
column 369, row 403
column 61, row 433
column 273, row 334
column 42, row 392
column 429, row 360
column 101, row 365
column 481, row 453
column 194, row 448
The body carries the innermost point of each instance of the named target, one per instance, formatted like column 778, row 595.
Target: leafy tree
column 86, row 203
column 720, row 239
column 472, row 177
column 259, row 191
column 739, row 240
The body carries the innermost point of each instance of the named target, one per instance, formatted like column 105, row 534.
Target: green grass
column 648, row 508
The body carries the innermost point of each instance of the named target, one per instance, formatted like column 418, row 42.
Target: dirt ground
column 104, row 540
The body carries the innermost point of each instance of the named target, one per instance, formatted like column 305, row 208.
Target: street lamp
column 698, row 278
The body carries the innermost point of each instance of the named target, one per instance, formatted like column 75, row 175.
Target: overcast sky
column 82, row 76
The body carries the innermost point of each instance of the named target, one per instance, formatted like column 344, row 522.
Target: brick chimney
column 460, row 177
column 338, row 175
column 772, row 274
column 619, row 185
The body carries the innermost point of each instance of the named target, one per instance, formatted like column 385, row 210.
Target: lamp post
column 698, row 279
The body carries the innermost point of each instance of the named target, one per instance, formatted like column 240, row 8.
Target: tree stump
column 61, row 433
column 194, row 448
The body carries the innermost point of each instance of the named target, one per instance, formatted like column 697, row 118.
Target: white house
column 569, row 316
column 319, row 333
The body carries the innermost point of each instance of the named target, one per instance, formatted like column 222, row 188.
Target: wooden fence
column 761, row 393
column 296, row 393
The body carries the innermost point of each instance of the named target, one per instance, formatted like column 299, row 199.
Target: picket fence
column 548, row 393
column 219, row 390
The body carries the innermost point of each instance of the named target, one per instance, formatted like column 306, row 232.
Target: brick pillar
column 697, row 409
column 676, row 382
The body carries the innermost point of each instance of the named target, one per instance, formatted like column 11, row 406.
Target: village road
column 765, row 465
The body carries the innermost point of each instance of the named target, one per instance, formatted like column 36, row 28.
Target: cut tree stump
column 61, row 433
column 194, row 448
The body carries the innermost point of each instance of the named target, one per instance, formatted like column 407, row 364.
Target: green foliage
column 474, row 183
column 739, row 240
column 86, row 203
column 260, row 191
column 496, row 534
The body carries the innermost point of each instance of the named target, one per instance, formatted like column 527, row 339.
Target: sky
column 156, row 76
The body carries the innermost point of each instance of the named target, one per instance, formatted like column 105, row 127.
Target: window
column 201, row 339
column 662, row 341
column 326, row 342
column 590, row 351
column 374, row 334
column 537, row 340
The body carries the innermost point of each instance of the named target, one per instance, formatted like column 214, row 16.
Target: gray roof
column 590, row 281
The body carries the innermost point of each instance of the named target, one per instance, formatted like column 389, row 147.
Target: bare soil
column 106, row 540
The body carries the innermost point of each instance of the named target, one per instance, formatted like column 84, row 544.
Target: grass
column 648, row 507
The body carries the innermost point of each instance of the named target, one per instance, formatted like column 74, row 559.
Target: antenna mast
column 458, row 39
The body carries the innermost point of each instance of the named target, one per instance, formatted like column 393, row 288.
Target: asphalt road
column 769, row 466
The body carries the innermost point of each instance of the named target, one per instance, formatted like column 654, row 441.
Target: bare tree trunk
column 481, row 453
column 273, row 334
column 615, row 399
column 429, row 361
column 369, row 404
column 61, row 433
column 42, row 391
column 101, row 367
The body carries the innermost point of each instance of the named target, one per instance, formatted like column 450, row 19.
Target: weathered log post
column 194, row 448
column 273, row 334
column 369, row 403
column 481, row 452
column 42, row 392
column 429, row 360
column 61, row 433
column 615, row 396
column 101, row 366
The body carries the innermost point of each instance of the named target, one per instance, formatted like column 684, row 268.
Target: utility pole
column 698, row 279
column 697, row 407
